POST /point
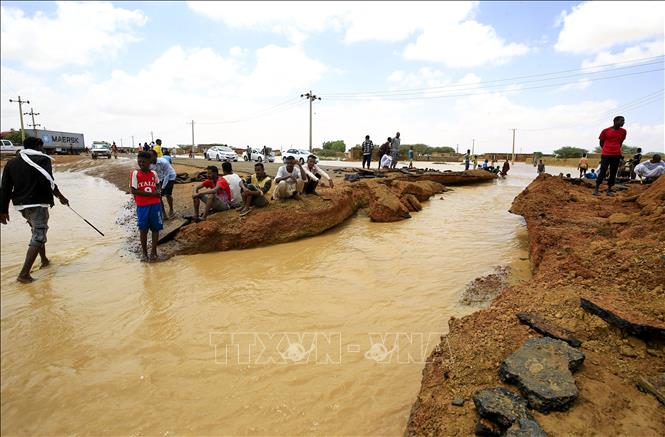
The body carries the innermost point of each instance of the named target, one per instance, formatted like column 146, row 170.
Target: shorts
column 217, row 203
column 168, row 190
column 37, row 217
column 150, row 217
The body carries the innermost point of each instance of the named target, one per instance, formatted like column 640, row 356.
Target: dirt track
column 580, row 245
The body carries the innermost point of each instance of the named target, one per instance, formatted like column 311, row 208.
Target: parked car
column 9, row 147
column 220, row 153
column 300, row 155
column 257, row 156
column 99, row 149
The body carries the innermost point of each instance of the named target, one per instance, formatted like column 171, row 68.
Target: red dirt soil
column 580, row 245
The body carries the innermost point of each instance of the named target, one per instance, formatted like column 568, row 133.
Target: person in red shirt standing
column 217, row 196
column 611, row 140
column 148, row 197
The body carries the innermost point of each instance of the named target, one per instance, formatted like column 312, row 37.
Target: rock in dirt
column 548, row 328
column 485, row 428
column 654, row 384
column 499, row 405
column 542, row 369
column 525, row 427
column 458, row 402
column 616, row 311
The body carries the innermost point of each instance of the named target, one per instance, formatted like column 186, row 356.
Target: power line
column 294, row 101
column 480, row 90
column 637, row 63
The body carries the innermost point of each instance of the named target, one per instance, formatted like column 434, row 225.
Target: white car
column 9, row 147
column 220, row 153
column 100, row 149
column 300, row 155
column 257, row 156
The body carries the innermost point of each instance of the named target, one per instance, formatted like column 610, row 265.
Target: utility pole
column 120, row 142
column 192, row 123
column 132, row 142
column 32, row 113
column 457, row 149
column 311, row 97
column 513, row 160
column 20, row 111
column 473, row 146
column 152, row 138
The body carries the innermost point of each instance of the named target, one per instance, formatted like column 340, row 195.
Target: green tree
column 570, row 152
column 14, row 136
column 625, row 149
column 444, row 149
column 337, row 146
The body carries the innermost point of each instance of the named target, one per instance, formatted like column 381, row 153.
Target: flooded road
column 323, row 336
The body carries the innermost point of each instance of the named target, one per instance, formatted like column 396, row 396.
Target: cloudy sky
column 440, row 73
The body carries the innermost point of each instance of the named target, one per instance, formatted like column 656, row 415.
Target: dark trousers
column 380, row 156
column 613, row 163
column 310, row 185
column 367, row 159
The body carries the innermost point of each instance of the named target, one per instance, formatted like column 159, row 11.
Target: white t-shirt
column 282, row 172
column 386, row 160
column 234, row 183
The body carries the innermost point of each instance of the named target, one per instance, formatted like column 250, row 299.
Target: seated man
column 386, row 161
column 254, row 189
column 289, row 181
column 217, row 196
column 591, row 175
column 314, row 174
column 234, row 182
column 650, row 170
column 485, row 165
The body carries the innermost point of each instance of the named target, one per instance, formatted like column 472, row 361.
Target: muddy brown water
column 323, row 336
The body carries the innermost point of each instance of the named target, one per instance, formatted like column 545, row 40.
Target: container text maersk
column 59, row 142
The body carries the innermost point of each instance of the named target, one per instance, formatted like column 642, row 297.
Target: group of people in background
column 155, row 177
column 389, row 153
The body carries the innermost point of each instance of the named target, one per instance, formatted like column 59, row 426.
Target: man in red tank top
column 611, row 140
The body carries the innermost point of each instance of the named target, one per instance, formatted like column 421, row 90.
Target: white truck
column 59, row 142
column 99, row 149
column 7, row 147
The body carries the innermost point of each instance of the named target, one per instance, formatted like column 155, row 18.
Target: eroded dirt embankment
column 391, row 197
column 604, row 248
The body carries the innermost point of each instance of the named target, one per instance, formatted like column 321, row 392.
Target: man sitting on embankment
column 216, row 197
column 289, row 181
column 650, row 170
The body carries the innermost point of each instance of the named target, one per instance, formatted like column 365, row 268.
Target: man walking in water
column 28, row 182
column 611, row 140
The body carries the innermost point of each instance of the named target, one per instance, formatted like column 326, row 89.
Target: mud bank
column 608, row 249
column 385, row 199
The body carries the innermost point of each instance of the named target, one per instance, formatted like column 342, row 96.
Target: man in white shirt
column 234, row 183
column 650, row 170
column 386, row 161
column 290, row 181
column 314, row 175
column 167, row 176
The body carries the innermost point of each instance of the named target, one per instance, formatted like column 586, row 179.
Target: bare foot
column 25, row 279
column 144, row 258
column 45, row 263
column 153, row 258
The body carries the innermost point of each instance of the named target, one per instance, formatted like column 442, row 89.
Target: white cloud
column 639, row 51
column 447, row 32
column 465, row 44
column 595, row 26
column 77, row 34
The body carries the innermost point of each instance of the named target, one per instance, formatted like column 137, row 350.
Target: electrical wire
column 280, row 107
column 636, row 64
column 509, row 89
